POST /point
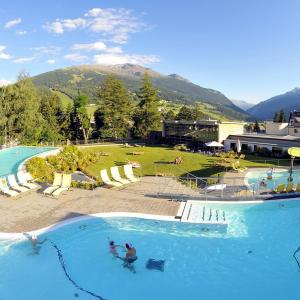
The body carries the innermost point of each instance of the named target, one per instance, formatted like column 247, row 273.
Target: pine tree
column 147, row 117
column 113, row 116
column 20, row 116
column 50, row 108
column 185, row 113
column 276, row 117
column 256, row 127
column 282, row 118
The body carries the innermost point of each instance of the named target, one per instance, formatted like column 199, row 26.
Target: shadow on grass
column 164, row 162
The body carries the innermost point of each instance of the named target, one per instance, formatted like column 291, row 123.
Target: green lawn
column 156, row 160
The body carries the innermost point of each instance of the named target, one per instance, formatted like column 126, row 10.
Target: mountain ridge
column 172, row 87
column 288, row 101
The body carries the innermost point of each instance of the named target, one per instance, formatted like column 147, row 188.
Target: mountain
column 288, row 102
column 242, row 104
column 171, row 87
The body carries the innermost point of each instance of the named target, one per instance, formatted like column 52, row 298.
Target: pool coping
column 55, row 226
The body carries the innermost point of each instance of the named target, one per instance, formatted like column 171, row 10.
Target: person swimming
column 113, row 248
column 35, row 243
column 130, row 256
column 263, row 182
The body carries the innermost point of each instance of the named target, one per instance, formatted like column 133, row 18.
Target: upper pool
column 11, row 158
column 279, row 176
column 253, row 260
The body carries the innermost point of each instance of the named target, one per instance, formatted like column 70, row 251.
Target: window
column 296, row 131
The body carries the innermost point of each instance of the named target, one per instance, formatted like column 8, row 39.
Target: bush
column 84, row 185
column 181, row 147
column 40, row 169
column 69, row 160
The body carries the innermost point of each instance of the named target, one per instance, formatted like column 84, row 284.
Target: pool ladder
column 214, row 215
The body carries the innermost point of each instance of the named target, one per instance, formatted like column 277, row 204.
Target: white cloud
column 116, row 59
column 21, row 32
column 114, row 50
column 59, row 26
column 114, row 24
column 76, row 57
column 117, row 24
column 51, row 61
column 97, row 46
column 3, row 54
column 46, row 49
column 4, row 82
column 12, row 23
column 23, row 60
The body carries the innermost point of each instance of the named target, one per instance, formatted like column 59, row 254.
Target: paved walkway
column 33, row 210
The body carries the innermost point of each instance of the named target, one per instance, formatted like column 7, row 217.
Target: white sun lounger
column 5, row 189
column 129, row 173
column 107, row 181
column 57, row 181
column 23, row 181
column 66, row 184
column 116, row 175
column 14, row 185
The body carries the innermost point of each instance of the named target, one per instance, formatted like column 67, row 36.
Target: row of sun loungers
column 118, row 181
column 12, row 186
column 61, row 183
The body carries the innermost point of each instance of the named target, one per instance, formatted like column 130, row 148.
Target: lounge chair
column 57, row 181
column 65, row 185
column 280, row 188
column 236, row 168
column 106, row 180
column 5, row 189
column 290, row 188
column 129, row 173
column 14, row 185
column 242, row 169
column 116, row 175
column 22, row 178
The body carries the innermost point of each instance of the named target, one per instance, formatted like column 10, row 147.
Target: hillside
column 172, row 87
column 265, row 110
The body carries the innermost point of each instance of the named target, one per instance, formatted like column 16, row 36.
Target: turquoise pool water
column 253, row 260
column 254, row 178
column 11, row 158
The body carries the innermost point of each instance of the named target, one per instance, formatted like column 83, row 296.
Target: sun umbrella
column 214, row 144
column 238, row 146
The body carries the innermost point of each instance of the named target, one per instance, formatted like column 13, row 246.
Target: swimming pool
column 253, row 260
column 279, row 176
column 11, row 158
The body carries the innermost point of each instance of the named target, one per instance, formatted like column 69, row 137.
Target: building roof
column 284, row 141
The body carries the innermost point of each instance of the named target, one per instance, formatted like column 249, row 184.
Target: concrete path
column 33, row 210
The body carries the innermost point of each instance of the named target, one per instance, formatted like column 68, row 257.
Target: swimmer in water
column 35, row 243
column 263, row 182
column 130, row 257
column 113, row 248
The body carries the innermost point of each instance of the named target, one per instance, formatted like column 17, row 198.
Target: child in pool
column 113, row 248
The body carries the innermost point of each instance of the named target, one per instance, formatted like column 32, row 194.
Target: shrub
column 69, row 160
column 40, row 169
column 84, row 185
column 181, row 147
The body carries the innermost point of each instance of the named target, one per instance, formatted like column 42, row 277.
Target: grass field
column 155, row 160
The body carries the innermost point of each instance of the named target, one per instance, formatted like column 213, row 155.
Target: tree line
column 33, row 115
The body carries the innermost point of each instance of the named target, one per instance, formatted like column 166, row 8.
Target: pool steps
column 195, row 212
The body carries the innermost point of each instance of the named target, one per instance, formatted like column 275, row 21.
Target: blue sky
column 248, row 50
